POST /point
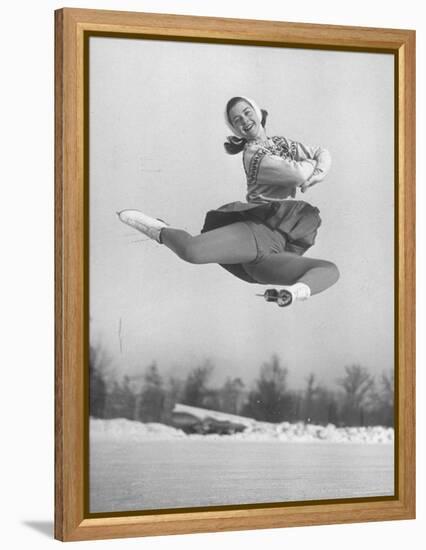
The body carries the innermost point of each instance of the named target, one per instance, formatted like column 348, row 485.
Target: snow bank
column 301, row 432
column 123, row 429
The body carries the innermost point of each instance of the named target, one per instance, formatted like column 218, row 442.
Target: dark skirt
column 296, row 221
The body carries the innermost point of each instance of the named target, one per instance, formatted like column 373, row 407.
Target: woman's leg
column 231, row 244
column 286, row 268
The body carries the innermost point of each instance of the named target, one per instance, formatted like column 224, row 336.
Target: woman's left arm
column 322, row 158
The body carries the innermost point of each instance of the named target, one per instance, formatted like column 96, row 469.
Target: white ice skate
column 282, row 298
column 151, row 227
column 288, row 295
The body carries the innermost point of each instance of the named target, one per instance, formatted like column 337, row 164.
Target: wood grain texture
column 237, row 29
column 406, row 274
column 69, row 336
column 71, row 270
column 59, row 449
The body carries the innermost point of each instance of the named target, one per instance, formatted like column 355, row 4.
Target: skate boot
column 151, row 227
column 285, row 298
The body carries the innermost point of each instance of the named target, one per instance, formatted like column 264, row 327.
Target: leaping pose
column 262, row 240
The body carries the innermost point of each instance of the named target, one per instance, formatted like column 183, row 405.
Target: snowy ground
column 122, row 429
column 135, row 466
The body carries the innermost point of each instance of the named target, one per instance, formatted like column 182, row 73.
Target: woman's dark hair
column 234, row 144
column 233, row 101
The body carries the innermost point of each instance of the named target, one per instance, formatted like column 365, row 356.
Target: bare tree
column 270, row 400
column 195, row 389
column 152, row 397
column 318, row 403
column 311, row 392
column 356, row 383
column 382, row 400
column 120, row 400
column 99, row 364
column 231, row 395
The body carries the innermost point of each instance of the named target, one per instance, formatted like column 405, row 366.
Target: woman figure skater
column 262, row 240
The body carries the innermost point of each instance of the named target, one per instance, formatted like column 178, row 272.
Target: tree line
column 358, row 400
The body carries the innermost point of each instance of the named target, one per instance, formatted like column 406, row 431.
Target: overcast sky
column 156, row 144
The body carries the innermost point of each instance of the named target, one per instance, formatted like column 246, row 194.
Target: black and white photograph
column 241, row 274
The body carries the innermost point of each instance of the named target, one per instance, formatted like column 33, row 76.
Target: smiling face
column 244, row 119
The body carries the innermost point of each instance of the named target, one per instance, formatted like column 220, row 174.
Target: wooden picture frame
column 73, row 28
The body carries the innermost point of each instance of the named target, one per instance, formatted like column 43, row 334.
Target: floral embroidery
column 285, row 148
column 254, row 165
column 277, row 145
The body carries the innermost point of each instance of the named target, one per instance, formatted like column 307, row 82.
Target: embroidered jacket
column 277, row 166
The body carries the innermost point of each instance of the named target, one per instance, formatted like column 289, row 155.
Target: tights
column 235, row 244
